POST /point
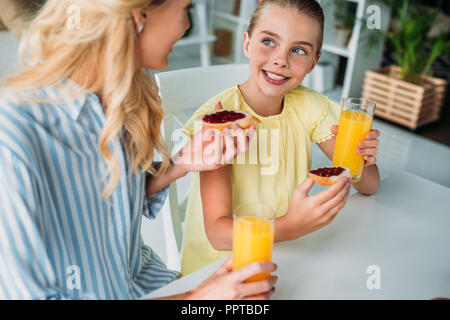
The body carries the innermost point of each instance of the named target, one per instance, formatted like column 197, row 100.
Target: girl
column 283, row 44
column 82, row 110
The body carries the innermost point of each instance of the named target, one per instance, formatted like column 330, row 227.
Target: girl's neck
column 261, row 104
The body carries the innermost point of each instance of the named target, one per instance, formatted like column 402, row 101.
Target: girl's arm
column 370, row 177
column 216, row 193
column 215, row 188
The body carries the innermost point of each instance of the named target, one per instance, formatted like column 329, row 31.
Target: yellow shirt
column 271, row 171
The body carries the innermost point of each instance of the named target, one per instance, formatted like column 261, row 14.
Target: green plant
column 343, row 14
column 345, row 17
column 414, row 49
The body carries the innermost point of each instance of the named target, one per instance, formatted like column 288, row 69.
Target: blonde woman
column 78, row 130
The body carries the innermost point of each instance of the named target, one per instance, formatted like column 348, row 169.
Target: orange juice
column 353, row 128
column 252, row 242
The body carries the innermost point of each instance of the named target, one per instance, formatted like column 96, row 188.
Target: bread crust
column 324, row 181
column 328, row 181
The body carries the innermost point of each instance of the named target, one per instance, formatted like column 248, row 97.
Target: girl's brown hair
column 307, row 7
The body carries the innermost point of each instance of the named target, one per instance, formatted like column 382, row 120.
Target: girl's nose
column 280, row 60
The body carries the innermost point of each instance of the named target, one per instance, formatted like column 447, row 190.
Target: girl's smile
column 274, row 78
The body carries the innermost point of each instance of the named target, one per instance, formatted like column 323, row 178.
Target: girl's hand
column 367, row 148
column 310, row 213
column 226, row 284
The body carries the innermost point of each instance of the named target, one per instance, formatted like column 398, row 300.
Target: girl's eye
column 190, row 6
column 299, row 51
column 268, row 42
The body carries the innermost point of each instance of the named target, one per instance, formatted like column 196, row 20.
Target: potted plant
column 405, row 94
column 344, row 22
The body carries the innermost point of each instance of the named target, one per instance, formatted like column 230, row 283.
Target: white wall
column 8, row 54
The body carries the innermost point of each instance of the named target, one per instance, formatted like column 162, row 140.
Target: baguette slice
column 328, row 176
column 245, row 122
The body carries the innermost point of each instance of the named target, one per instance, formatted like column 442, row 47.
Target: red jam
column 223, row 116
column 328, row 172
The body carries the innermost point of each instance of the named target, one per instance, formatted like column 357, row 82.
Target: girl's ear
column 315, row 62
column 246, row 44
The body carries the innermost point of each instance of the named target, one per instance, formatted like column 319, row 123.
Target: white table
column 403, row 230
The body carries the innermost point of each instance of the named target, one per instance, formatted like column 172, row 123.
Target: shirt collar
column 73, row 97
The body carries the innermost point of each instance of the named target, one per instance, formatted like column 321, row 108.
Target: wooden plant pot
column 402, row 102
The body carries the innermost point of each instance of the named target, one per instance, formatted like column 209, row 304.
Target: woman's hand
column 226, row 284
column 310, row 213
column 207, row 150
column 211, row 149
column 367, row 148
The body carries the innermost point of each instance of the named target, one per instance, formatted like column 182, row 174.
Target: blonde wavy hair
column 100, row 56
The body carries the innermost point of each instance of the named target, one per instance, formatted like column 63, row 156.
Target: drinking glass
column 253, row 234
column 355, row 122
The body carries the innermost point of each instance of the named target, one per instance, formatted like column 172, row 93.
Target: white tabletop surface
column 403, row 230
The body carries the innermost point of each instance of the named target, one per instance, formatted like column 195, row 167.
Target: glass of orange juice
column 355, row 122
column 253, row 234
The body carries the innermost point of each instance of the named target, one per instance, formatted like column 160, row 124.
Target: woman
column 78, row 130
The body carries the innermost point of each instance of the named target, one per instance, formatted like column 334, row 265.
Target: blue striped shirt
column 58, row 238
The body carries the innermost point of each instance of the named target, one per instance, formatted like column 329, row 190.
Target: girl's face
column 164, row 25
column 282, row 50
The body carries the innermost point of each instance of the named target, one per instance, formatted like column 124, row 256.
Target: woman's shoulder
column 50, row 101
column 15, row 103
column 16, row 123
column 21, row 98
column 23, row 106
column 21, row 113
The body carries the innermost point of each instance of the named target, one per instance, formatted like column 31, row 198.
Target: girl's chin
column 274, row 91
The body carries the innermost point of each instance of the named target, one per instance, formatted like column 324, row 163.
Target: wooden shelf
column 356, row 58
column 200, row 36
column 224, row 19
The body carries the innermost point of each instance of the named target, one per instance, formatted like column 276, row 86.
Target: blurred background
column 359, row 36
